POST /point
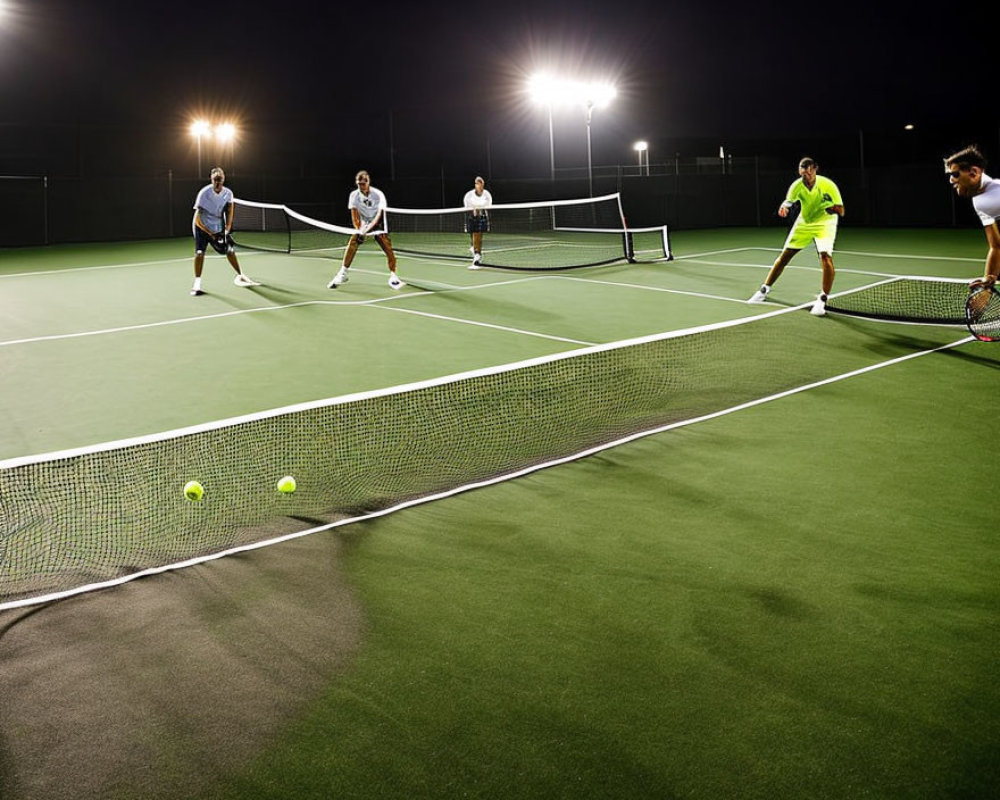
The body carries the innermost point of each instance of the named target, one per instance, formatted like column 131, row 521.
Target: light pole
column 593, row 95
column 590, row 164
column 552, row 148
column 225, row 133
column 200, row 128
column 549, row 91
column 642, row 148
column 545, row 90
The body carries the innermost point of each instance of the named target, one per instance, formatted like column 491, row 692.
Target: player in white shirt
column 212, row 222
column 367, row 206
column 966, row 171
column 477, row 200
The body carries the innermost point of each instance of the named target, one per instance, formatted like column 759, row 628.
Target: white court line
column 504, row 328
column 224, row 314
column 864, row 254
column 643, row 287
column 32, row 273
column 806, row 267
column 32, row 601
column 719, row 252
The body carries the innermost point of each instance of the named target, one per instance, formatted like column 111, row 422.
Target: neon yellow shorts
column 806, row 233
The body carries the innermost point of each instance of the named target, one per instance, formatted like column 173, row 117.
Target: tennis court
column 788, row 598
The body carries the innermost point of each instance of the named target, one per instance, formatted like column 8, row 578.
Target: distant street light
column 199, row 129
column 642, row 148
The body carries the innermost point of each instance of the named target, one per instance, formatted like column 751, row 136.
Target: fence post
column 45, row 209
column 170, row 202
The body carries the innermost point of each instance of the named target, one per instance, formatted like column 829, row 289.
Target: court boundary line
column 863, row 253
column 33, row 601
column 374, row 302
column 259, row 309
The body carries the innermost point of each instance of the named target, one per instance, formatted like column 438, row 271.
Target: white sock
column 197, row 284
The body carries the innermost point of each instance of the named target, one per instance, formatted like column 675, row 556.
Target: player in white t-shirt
column 367, row 206
column 966, row 171
column 212, row 222
column 477, row 200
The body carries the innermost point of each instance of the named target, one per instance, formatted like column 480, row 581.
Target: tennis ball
column 194, row 491
column 286, row 485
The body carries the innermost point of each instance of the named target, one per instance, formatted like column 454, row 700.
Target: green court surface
column 795, row 599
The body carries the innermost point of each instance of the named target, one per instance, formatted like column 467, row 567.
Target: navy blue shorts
column 480, row 224
column 202, row 241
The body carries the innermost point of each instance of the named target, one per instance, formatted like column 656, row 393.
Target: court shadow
column 158, row 687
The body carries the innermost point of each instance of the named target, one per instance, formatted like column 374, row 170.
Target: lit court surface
column 779, row 533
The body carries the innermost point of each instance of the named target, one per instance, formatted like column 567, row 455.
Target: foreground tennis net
column 552, row 235
column 79, row 519
column 914, row 299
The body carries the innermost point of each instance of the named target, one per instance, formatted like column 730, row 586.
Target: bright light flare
column 552, row 91
column 226, row 132
column 641, row 146
column 200, row 128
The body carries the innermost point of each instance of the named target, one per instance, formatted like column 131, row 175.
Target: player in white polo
column 821, row 206
column 477, row 200
column 367, row 206
column 212, row 222
column 966, row 171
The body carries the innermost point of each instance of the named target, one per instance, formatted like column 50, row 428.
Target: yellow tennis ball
column 286, row 485
column 194, row 491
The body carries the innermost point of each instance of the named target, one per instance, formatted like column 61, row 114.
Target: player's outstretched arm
column 992, row 269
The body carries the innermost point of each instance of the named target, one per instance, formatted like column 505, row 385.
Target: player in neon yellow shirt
column 821, row 206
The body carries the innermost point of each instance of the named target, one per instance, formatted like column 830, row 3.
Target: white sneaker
column 338, row 279
column 819, row 307
column 244, row 280
column 197, row 292
column 474, row 265
column 760, row 296
column 395, row 282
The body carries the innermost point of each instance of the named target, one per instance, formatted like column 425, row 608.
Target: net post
column 628, row 246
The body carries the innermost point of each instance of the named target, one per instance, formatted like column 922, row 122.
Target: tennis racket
column 982, row 313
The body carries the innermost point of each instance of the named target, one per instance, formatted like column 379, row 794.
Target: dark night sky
column 453, row 72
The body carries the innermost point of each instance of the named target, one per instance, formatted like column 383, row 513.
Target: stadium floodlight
column 199, row 129
column 551, row 91
column 642, row 148
column 225, row 134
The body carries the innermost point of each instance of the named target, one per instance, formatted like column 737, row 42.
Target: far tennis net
column 552, row 235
